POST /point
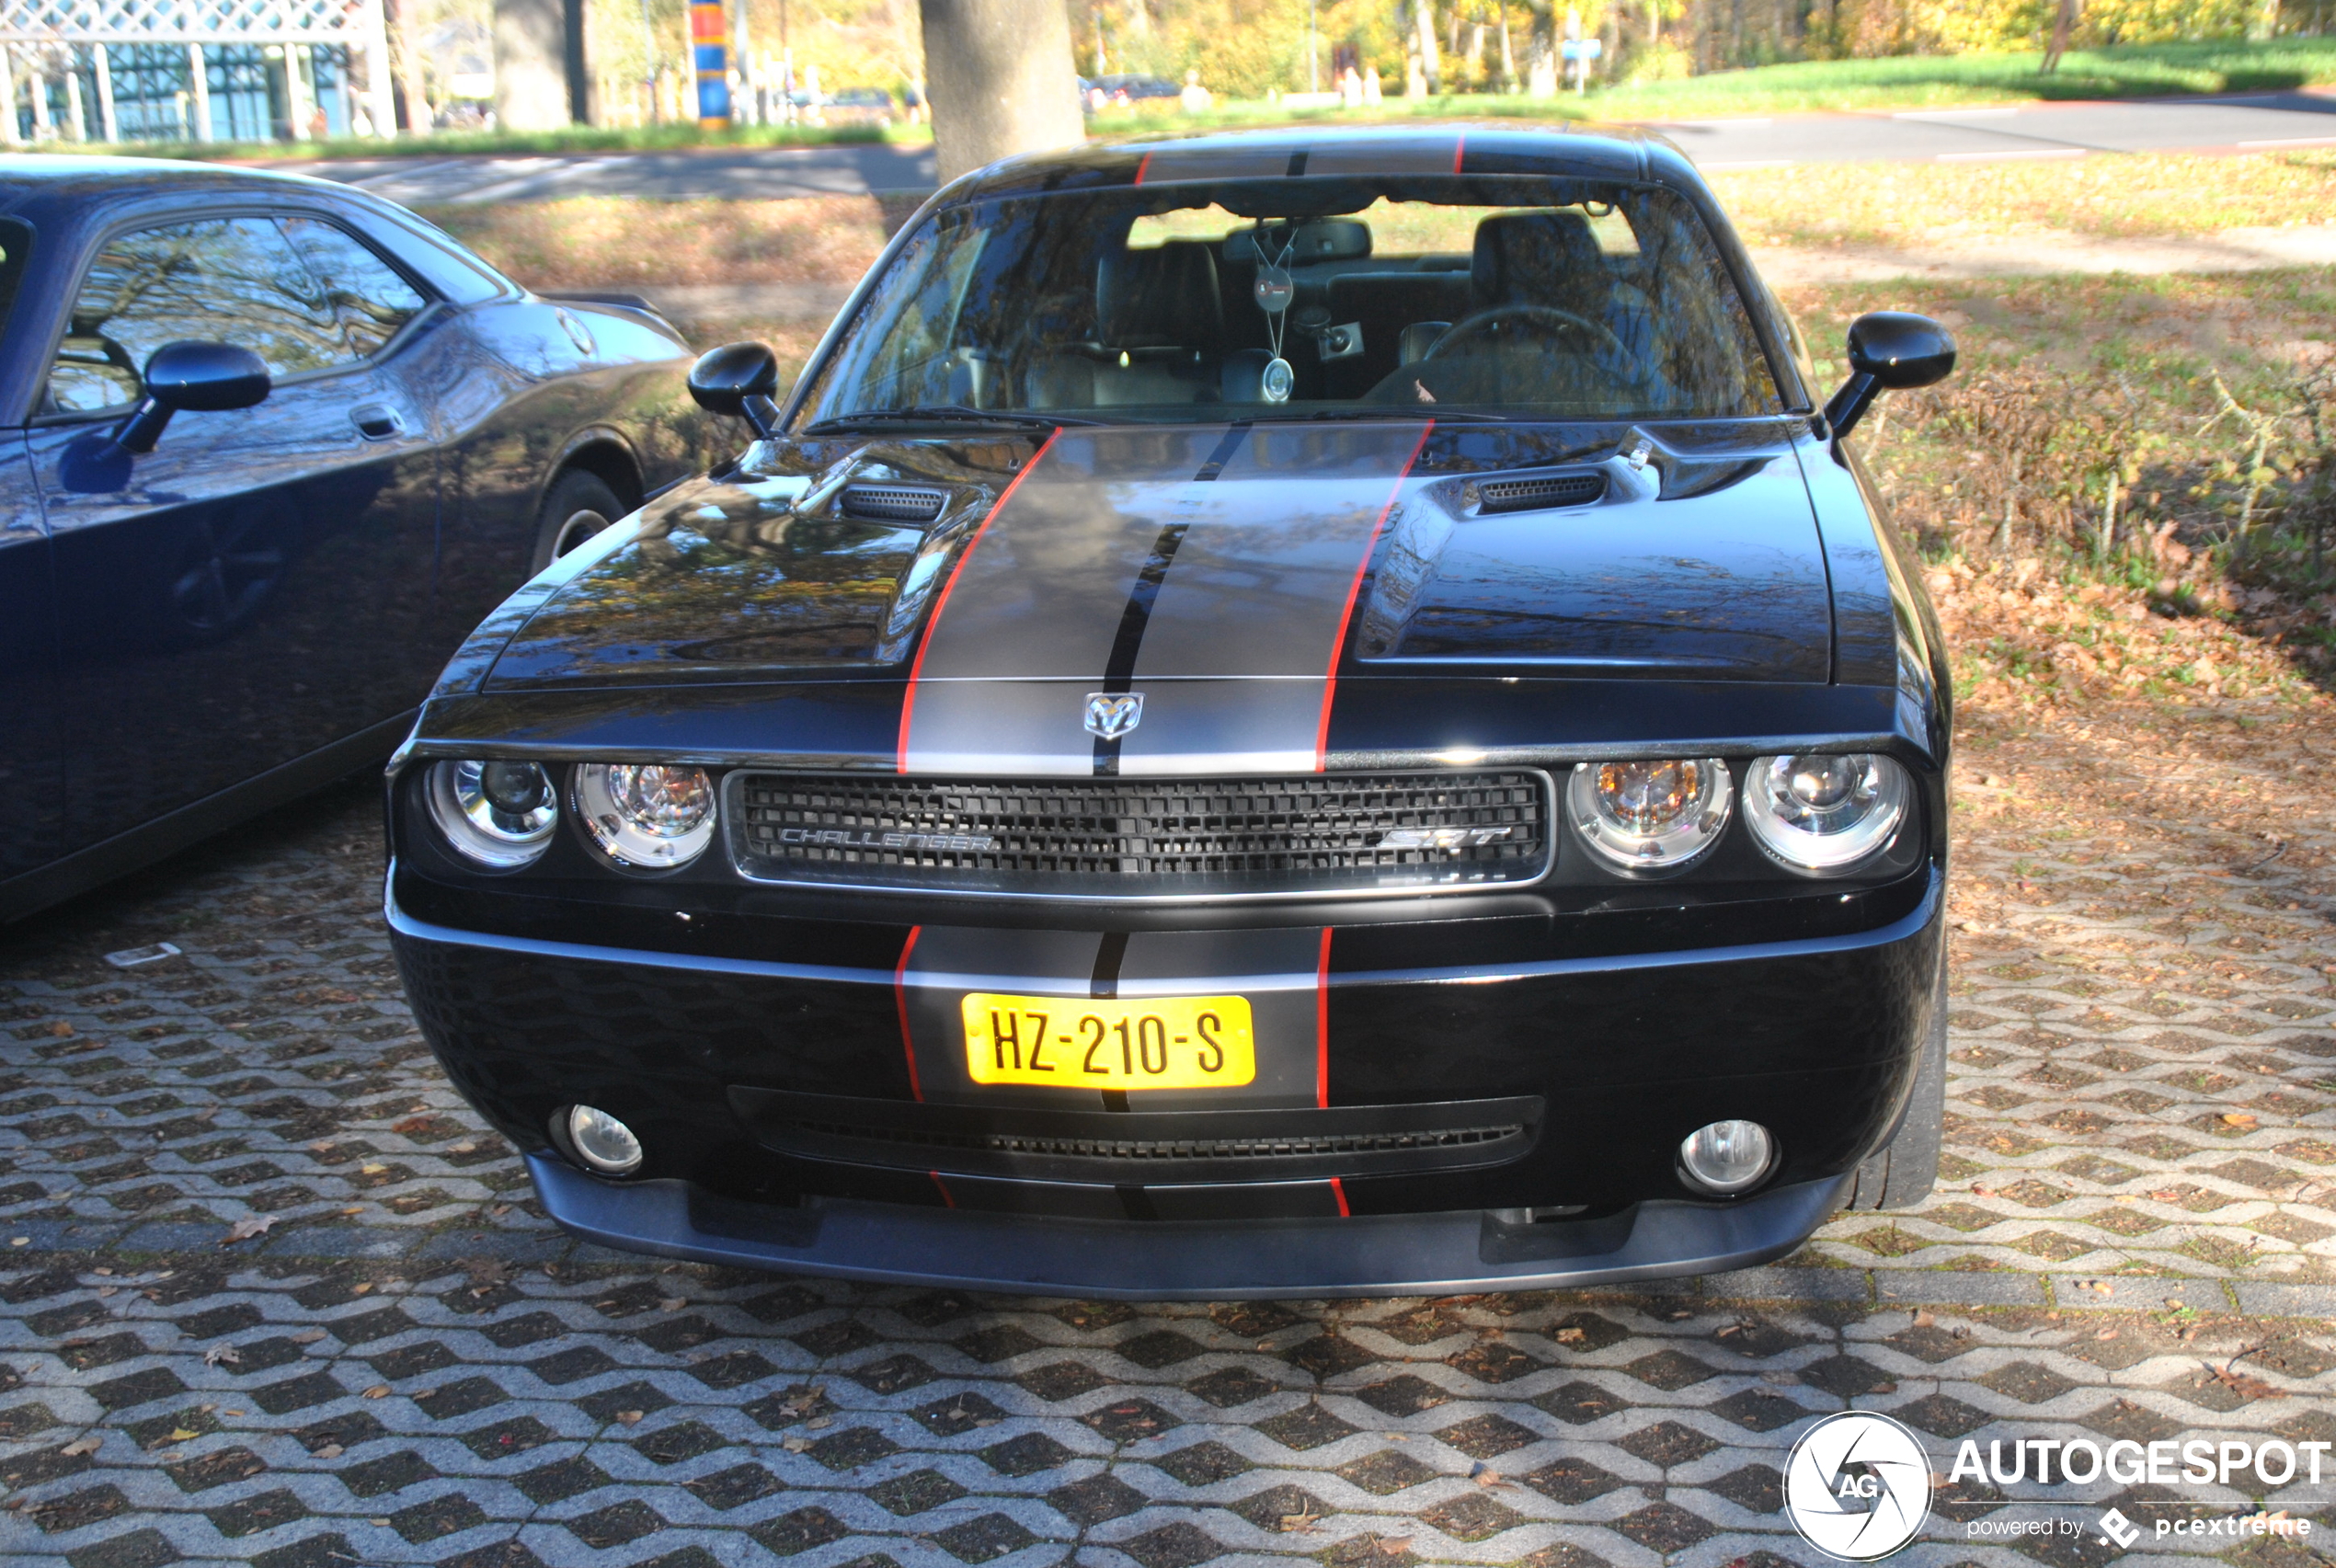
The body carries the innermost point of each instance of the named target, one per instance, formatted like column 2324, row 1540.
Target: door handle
column 377, row 423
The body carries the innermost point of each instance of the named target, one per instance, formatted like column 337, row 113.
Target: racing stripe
column 1040, row 605
column 1346, row 616
column 941, row 601
column 1119, row 673
column 1243, row 637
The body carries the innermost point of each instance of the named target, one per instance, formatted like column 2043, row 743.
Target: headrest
column 1524, row 256
column 1160, row 297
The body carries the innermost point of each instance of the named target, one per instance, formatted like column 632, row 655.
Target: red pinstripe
column 1338, row 1191
column 1321, row 1022
column 1459, row 148
column 916, row 667
column 1354, row 591
column 1142, row 164
column 901, row 1002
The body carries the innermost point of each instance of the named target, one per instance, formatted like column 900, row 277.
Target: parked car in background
column 1124, row 91
column 859, row 106
column 1283, row 714
column 275, row 446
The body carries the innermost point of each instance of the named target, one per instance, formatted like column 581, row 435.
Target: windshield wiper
column 945, row 413
column 1418, row 415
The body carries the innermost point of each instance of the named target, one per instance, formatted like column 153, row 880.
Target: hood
column 1113, row 558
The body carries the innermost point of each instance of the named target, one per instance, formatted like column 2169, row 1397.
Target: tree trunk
column 999, row 77
column 530, row 65
column 406, row 58
column 2063, row 19
column 1431, row 64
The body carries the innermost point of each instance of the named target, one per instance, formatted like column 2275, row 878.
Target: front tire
column 579, row 505
column 1902, row 1172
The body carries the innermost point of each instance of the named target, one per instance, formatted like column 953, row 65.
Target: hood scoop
column 1539, row 492
column 891, row 503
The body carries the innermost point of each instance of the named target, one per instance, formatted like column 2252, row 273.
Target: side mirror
column 198, row 377
column 739, row 379
column 1888, row 349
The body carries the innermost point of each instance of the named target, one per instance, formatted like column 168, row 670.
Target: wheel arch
column 605, row 453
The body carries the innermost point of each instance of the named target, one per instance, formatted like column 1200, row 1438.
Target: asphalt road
column 2040, row 130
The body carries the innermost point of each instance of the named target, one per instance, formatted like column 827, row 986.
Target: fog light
column 605, row 1143
column 1727, row 1157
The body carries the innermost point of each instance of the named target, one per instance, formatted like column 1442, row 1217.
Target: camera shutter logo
column 1857, row 1487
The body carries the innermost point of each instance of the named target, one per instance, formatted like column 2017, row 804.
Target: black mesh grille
column 1171, row 1151
column 1542, row 491
column 891, row 503
column 1145, row 838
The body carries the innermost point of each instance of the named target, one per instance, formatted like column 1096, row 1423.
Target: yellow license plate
column 1162, row 1042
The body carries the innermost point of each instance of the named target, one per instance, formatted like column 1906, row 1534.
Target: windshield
column 1510, row 296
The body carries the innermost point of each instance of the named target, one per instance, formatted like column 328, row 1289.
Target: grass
column 2114, row 195
column 1897, row 82
column 610, row 240
column 479, row 143
column 1891, row 83
column 2217, row 578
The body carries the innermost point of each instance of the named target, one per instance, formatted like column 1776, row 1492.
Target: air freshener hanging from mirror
column 1275, row 289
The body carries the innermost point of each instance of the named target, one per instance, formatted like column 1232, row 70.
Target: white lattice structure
column 39, row 39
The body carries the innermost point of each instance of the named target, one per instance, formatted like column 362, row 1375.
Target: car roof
column 30, row 180
column 1558, row 149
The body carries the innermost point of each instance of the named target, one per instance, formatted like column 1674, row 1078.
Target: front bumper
column 1388, row 1255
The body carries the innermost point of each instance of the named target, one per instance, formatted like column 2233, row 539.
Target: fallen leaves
column 2245, row 1385
column 308, row 1336
column 328, row 1451
column 379, row 1391
column 2238, row 1119
column 673, row 1303
column 244, row 1229
column 794, row 1444
column 223, row 1355
column 81, row 1446
column 1299, row 1524
column 630, row 1417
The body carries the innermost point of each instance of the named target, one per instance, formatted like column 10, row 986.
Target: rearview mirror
column 739, row 379
column 1889, row 349
column 200, row 378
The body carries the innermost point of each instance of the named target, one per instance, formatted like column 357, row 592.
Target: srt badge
column 1111, row 715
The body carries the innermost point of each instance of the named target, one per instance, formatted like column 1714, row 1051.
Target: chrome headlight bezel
column 485, row 833
column 1643, row 849
column 1799, row 829
column 613, row 802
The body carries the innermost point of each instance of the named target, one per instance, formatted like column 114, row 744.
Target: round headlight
column 498, row 813
column 648, row 814
column 1727, row 1157
column 1817, row 814
column 1652, row 816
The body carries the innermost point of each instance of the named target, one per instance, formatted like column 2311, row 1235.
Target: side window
column 225, row 280
column 371, row 301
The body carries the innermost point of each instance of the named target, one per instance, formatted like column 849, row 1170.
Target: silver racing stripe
column 1235, row 651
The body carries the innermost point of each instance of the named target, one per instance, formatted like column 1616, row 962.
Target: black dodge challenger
column 1280, row 714
column 268, row 448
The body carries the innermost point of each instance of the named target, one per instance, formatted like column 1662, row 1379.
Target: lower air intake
column 1120, row 838
column 1158, row 1147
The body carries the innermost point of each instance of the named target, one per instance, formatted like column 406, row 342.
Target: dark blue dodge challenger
column 1277, row 715
column 268, row 448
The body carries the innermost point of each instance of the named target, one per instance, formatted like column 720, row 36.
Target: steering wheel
column 1484, row 321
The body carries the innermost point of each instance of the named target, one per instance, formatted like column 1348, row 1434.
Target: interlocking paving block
column 412, row 1342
